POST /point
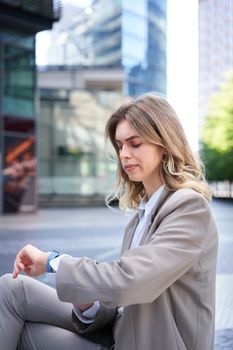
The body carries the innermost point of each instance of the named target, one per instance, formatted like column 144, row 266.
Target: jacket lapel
column 162, row 199
column 130, row 229
column 129, row 232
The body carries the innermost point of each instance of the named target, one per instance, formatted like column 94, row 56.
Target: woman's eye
column 136, row 145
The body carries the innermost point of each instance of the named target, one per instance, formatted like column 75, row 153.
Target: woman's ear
column 164, row 152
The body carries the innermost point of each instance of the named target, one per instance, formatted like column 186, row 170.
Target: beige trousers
column 33, row 318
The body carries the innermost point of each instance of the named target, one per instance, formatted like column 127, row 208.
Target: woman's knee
column 5, row 281
column 7, row 285
column 11, row 287
column 8, row 280
column 12, row 293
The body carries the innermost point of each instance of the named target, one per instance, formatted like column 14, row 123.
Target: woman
column 160, row 294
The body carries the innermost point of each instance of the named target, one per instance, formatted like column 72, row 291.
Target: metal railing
column 222, row 189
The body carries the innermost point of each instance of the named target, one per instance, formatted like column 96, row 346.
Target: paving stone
column 224, row 339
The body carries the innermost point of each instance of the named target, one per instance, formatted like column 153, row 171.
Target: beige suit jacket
column 166, row 284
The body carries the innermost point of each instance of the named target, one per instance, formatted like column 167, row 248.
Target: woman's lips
column 129, row 168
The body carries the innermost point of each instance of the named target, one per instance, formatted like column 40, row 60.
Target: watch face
column 54, row 254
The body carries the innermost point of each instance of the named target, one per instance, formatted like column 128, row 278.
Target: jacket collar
column 130, row 229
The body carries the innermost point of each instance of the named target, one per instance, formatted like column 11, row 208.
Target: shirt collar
column 149, row 205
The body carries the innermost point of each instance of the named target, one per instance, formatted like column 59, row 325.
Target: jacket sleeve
column 140, row 275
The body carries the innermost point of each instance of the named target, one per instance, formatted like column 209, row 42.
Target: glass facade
column 215, row 49
column 19, row 21
column 144, row 46
column 19, row 74
column 73, row 156
column 128, row 33
column 18, row 121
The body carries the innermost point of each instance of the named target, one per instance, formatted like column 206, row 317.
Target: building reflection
column 73, row 155
column 19, row 174
column 19, row 22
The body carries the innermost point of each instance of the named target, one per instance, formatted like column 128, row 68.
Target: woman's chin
column 134, row 178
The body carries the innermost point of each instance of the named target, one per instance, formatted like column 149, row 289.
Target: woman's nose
column 125, row 152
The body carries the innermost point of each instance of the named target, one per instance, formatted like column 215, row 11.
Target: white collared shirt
column 145, row 209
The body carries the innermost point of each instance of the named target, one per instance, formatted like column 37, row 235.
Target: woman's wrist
column 50, row 256
column 84, row 307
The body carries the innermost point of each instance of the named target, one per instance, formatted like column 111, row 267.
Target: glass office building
column 19, row 22
column 127, row 33
column 74, row 162
column 215, row 48
column 144, row 45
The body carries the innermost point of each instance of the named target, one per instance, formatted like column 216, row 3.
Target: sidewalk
column 224, row 312
column 98, row 232
column 223, row 213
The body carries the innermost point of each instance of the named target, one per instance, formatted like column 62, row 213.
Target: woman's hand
column 30, row 260
column 83, row 307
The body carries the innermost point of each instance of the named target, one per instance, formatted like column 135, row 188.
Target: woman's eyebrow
column 129, row 138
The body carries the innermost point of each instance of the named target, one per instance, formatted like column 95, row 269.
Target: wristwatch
column 54, row 254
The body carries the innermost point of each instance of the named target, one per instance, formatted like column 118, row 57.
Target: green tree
column 217, row 137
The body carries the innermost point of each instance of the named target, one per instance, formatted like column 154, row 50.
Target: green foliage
column 218, row 165
column 217, row 139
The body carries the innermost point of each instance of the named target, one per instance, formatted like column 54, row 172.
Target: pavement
column 223, row 214
column 98, row 232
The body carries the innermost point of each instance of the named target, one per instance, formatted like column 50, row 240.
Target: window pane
column 19, row 76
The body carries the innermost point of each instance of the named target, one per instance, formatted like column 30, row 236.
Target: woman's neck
column 150, row 190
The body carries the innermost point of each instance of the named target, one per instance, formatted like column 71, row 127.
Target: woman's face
column 140, row 159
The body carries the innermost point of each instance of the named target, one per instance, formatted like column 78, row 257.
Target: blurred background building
column 215, row 48
column 19, row 22
column 97, row 56
column 75, row 103
column 120, row 33
column 216, row 93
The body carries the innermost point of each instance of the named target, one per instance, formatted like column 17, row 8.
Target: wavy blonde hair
column 156, row 122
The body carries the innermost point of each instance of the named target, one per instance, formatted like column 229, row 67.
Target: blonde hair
column 156, row 122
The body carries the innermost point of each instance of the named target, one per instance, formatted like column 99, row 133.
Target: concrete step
column 70, row 201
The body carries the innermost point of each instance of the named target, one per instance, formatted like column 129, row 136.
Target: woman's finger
column 18, row 267
column 15, row 271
